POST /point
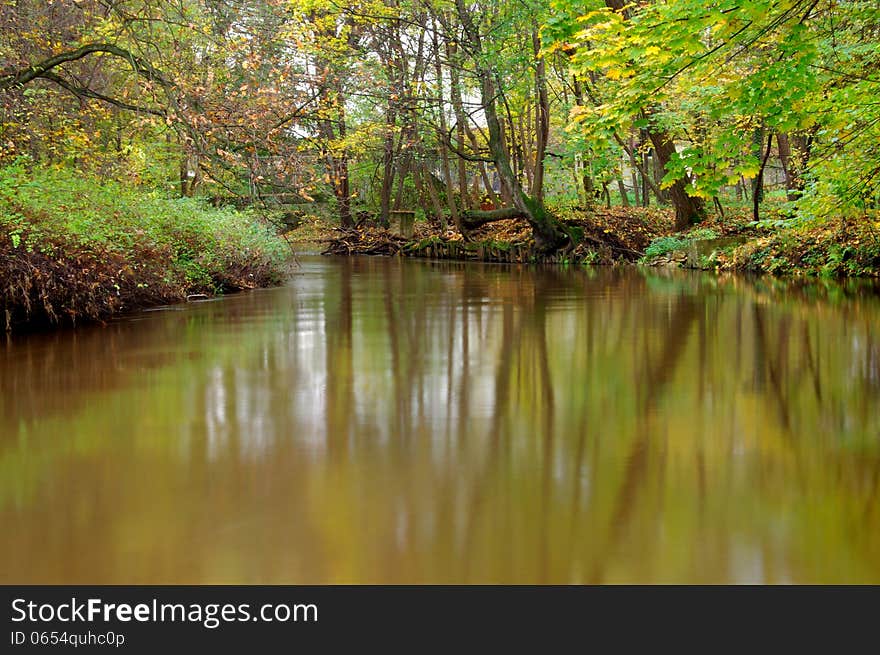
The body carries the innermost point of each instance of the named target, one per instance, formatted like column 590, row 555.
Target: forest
column 152, row 150
column 420, row 292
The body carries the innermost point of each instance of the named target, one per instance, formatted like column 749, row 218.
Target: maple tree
column 731, row 79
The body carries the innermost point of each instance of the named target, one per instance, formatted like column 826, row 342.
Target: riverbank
column 633, row 236
column 605, row 236
column 74, row 249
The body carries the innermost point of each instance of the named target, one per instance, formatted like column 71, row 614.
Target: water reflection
column 396, row 421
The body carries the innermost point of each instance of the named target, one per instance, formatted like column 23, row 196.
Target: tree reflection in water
column 396, row 421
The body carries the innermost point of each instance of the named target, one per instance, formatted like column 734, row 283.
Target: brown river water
column 387, row 421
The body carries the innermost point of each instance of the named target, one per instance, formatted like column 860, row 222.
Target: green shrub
column 664, row 245
column 101, row 246
column 702, row 233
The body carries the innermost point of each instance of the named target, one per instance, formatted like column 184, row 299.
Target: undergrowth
column 74, row 248
column 667, row 244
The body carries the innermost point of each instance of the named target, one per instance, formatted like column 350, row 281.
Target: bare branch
column 25, row 75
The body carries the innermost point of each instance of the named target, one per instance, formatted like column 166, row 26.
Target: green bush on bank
column 74, row 247
column 815, row 251
column 667, row 244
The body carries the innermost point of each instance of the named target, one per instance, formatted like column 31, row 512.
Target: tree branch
column 25, row 75
column 84, row 92
column 475, row 218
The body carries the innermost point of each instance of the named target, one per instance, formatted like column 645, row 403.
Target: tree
column 213, row 77
column 800, row 69
column 547, row 233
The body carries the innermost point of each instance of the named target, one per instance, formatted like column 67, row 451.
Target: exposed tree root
column 503, row 235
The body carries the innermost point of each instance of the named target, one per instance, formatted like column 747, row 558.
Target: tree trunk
column 548, row 236
column 475, row 217
column 542, row 119
column 758, row 180
column 758, row 192
column 794, row 151
column 590, row 189
column 642, row 168
column 527, row 122
column 636, row 182
column 621, row 187
column 576, row 178
column 525, row 138
column 387, row 166
column 333, row 132
column 659, row 172
column 403, row 170
column 341, row 179
column 428, row 184
column 190, row 174
column 587, row 179
column 343, row 191
column 787, row 165
column 458, row 110
column 441, row 137
column 688, row 210
column 336, row 164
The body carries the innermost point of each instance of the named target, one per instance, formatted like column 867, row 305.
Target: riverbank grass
column 74, row 248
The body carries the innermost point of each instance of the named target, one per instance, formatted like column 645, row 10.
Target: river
column 398, row 421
